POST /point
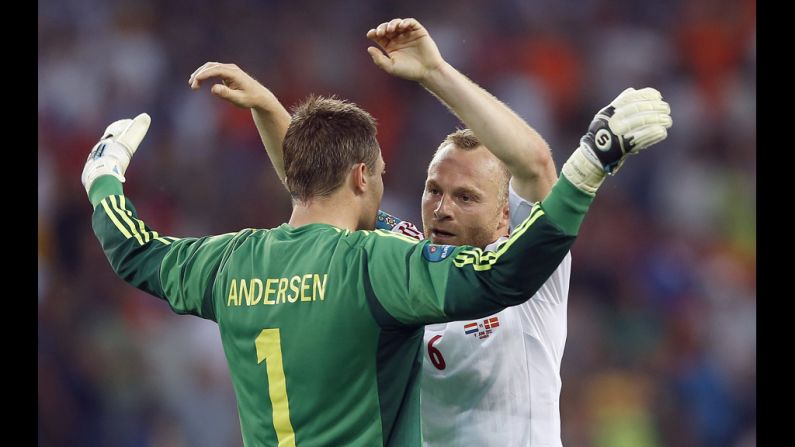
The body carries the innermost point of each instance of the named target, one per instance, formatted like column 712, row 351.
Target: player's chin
column 445, row 239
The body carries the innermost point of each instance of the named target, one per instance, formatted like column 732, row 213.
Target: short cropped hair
column 326, row 137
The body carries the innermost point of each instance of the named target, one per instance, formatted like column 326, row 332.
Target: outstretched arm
column 408, row 51
column 239, row 88
column 454, row 283
column 179, row 270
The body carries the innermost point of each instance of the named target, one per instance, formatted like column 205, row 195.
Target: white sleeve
column 518, row 207
column 543, row 316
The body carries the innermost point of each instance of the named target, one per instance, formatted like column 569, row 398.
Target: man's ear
column 505, row 218
column 359, row 178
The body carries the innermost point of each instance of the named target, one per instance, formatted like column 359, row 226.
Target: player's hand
column 408, row 50
column 633, row 121
column 236, row 85
column 112, row 154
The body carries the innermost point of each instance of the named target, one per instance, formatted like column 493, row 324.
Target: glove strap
column 584, row 172
column 107, row 158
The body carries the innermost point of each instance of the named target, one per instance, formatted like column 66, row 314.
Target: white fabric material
column 584, row 170
column 112, row 154
column 502, row 389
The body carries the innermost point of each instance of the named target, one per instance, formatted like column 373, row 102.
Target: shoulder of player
column 378, row 235
column 352, row 238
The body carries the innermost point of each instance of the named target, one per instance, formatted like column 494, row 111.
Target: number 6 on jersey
column 435, row 354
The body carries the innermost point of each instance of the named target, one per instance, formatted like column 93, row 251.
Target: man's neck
column 336, row 211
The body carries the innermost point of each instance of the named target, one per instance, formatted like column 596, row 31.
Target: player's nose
column 442, row 209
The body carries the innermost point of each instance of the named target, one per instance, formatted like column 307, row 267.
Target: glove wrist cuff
column 583, row 172
column 99, row 168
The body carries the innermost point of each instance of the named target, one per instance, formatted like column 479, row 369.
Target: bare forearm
column 502, row 131
column 242, row 90
column 272, row 120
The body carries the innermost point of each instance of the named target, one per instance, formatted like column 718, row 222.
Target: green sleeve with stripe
column 420, row 283
column 179, row 270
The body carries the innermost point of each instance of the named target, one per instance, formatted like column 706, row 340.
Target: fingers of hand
column 116, row 128
column 637, row 121
column 373, row 35
column 206, row 65
column 379, row 58
column 643, row 106
column 647, row 136
column 408, row 24
column 627, row 111
column 380, row 30
column 395, row 27
column 622, row 97
column 212, row 69
column 391, row 27
column 641, row 112
column 220, row 90
column 648, row 94
column 135, row 132
column 631, row 95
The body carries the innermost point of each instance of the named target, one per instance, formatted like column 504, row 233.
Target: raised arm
column 409, row 52
column 447, row 283
column 242, row 90
column 178, row 270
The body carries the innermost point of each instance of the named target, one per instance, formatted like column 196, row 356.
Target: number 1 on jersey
column 269, row 348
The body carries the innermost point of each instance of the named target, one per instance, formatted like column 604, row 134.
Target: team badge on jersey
column 436, row 253
column 483, row 329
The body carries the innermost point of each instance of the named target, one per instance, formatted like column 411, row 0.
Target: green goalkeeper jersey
column 322, row 327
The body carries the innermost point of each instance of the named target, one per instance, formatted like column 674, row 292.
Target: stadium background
column 662, row 311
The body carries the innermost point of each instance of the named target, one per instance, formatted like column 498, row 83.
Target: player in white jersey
column 495, row 380
column 492, row 381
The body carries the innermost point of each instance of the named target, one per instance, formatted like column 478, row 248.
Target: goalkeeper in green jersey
column 322, row 318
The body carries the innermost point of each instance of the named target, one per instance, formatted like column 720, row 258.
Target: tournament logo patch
column 385, row 221
column 436, row 253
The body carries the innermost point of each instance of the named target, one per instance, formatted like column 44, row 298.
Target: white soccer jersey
column 495, row 381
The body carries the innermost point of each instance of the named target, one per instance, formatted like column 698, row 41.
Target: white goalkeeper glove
column 633, row 121
column 112, row 154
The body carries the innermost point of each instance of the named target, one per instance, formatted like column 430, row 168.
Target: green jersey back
column 308, row 356
column 322, row 327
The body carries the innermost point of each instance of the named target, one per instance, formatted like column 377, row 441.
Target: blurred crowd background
column 661, row 348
